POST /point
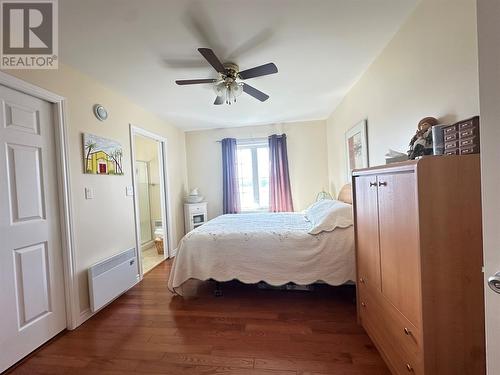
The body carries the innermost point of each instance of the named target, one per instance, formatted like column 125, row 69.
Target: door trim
column 63, row 181
column 165, row 196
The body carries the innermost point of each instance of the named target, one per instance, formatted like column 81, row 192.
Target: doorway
column 151, row 198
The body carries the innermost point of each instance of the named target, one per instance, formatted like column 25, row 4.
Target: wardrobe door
column 399, row 247
column 367, row 240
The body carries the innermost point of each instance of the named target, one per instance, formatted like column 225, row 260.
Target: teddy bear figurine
column 421, row 143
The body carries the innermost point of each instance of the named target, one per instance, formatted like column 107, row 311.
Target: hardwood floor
column 246, row 332
column 150, row 258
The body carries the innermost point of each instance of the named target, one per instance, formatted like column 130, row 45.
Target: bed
column 276, row 248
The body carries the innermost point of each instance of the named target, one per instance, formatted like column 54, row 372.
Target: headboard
column 345, row 194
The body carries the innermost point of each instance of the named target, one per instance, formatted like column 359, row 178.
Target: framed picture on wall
column 356, row 140
column 101, row 155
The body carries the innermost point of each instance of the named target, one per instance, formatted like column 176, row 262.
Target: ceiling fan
column 227, row 87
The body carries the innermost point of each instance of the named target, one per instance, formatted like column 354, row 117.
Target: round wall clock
column 100, row 112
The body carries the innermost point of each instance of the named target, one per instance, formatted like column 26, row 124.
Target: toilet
column 158, row 229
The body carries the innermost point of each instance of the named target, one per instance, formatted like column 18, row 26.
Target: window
column 253, row 175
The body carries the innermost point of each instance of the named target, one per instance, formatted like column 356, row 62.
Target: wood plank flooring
column 246, row 332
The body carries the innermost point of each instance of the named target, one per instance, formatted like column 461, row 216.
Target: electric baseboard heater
column 112, row 277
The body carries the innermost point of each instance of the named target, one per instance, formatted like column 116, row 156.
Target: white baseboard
column 147, row 245
column 84, row 316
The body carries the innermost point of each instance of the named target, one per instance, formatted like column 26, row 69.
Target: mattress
column 271, row 247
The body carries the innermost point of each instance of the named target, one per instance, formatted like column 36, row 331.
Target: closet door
column 367, row 236
column 399, row 248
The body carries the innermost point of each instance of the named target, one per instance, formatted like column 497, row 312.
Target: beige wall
column 307, row 157
column 428, row 69
column 105, row 225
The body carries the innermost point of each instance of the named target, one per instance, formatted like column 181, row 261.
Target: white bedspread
column 270, row 247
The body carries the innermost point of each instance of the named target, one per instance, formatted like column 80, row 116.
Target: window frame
column 253, row 145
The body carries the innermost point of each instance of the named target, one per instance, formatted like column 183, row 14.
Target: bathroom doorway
column 150, row 198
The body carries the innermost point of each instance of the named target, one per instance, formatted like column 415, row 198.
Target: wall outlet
column 129, row 191
column 89, row 193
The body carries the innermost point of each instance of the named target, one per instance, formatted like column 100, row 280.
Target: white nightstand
column 195, row 214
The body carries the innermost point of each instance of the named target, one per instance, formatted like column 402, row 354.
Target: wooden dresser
column 419, row 264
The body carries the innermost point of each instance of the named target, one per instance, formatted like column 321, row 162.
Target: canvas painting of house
column 102, row 155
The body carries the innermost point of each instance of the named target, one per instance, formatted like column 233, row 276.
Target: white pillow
column 328, row 214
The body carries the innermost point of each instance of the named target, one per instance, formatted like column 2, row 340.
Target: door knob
column 494, row 282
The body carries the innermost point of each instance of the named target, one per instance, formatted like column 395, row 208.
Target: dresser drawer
column 402, row 330
column 451, row 136
column 450, row 129
column 364, row 281
column 455, row 151
column 470, row 132
column 196, row 209
column 399, row 347
column 474, row 149
column 450, row 145
column 468, row 142
column 466, row 124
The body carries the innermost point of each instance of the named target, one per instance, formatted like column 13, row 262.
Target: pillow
column 328, row 214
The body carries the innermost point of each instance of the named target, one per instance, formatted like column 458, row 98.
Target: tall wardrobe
column 419, row 264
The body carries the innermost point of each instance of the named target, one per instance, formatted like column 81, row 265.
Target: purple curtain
column 231, row 197
column 280, row 194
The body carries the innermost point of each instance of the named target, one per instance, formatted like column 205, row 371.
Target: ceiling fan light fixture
column 220, row 88
column 233, row 90
column 228, row 90
column 236, row 88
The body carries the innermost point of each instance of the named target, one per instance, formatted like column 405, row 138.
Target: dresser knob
column 409, row 368
column 361, row 280
column 407, row 331
column 363, row 304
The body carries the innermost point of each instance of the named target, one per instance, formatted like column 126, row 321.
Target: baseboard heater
column 112, row 277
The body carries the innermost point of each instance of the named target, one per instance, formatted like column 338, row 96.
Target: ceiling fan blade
column 219, row 100
column 209, row 55
column 194, row 81
column 257, row 94
column 258, row 71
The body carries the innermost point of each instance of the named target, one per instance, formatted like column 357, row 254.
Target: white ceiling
column 140, row 47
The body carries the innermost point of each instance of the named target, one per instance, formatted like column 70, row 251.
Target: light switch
column 89, row 193
column 129, row 191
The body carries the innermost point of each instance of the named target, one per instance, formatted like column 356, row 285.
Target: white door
column 31, row 267
column 489, row 94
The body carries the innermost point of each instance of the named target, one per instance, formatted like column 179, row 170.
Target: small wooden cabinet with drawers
column 419, row 264
column 462, row 138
